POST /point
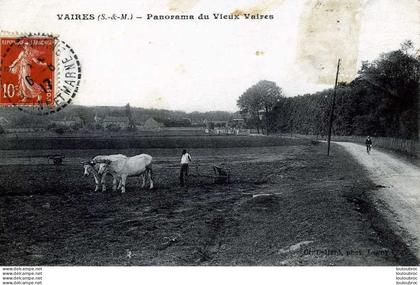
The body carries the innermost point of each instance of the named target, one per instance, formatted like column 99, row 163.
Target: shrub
column 51, row 126
column 60, row 130
column 98, row 127
column 113, row 128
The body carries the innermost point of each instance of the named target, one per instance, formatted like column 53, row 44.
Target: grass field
column 288, row 204
column 138, row 142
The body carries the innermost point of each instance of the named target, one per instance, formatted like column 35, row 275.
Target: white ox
column 138, row 165
column 92, row 167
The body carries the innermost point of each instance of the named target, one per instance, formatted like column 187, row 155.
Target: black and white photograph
column 271, row 134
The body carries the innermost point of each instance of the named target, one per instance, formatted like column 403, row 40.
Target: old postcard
column 204, row 133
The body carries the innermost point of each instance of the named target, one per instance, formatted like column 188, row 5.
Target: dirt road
column 398, row 190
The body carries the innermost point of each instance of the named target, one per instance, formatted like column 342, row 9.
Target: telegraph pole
column 332, row 108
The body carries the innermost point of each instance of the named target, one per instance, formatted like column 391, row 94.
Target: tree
column 85, row 114
column 381, row 101
column 392, row 81
column 261, row 97
column 131, row 123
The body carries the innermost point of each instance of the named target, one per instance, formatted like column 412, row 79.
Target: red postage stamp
column 27, row 74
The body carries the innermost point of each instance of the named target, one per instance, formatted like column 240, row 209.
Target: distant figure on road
column 183, row 175
column 368, row 144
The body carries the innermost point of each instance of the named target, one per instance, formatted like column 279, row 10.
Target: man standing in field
column 183, row 175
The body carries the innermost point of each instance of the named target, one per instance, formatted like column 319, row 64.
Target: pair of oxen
column 119, row 167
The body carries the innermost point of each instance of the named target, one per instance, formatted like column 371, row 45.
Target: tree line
column 381, row 101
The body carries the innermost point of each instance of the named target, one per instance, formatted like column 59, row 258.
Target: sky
column 206, row 65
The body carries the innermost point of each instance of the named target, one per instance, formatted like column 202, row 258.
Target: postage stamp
column 39, row 74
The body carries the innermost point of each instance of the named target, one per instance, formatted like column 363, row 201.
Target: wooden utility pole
column 332, row 108
column 266, row 121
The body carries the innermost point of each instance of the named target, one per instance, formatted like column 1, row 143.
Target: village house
column 122, row 122
column 238, row 123
column 68, row 122
column 152, row 124
column 217, row 127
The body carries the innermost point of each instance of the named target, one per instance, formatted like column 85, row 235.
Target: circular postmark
column 39, row 74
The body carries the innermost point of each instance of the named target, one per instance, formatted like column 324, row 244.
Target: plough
column 221, row 174
column 57, row 159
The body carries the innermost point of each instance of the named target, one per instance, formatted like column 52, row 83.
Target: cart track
column 398, row 190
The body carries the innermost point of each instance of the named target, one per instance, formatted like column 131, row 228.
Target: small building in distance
column 68, row 122
column 216, row 124
column 238, row 123
column 152, row 124
column 217, row 127
column 235, row 126
column 122, row 122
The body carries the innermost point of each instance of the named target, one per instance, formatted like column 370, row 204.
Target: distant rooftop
column 113, row 119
